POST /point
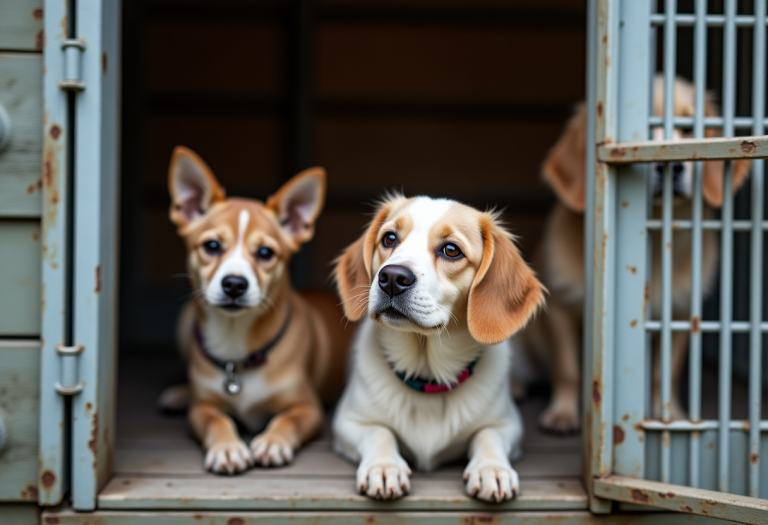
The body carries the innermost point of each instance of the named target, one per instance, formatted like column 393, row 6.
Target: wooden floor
column 159, row 466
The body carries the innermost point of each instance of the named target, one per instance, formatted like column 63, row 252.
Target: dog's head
column 239, row 249
column 424, row 264
column 564, row 167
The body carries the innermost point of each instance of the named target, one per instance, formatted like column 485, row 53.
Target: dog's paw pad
column 494, row 483
column 560, row 420
column 384, row 479
column 228, row 458
column 271, row 450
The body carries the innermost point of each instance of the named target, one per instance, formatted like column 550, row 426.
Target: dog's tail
column 174, row 399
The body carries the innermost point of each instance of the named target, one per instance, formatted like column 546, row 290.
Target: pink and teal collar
column 429, row 386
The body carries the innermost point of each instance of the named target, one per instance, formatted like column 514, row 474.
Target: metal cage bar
column 694, row 392
column 726, row 252
column 756, row 246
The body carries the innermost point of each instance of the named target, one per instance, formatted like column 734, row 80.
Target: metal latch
column 73, row 51
column 69, row 385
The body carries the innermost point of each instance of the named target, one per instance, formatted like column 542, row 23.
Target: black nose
column 395, row 279
column 234, row 285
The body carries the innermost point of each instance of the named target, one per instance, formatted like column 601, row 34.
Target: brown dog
column 257, row 350
column 553, row 340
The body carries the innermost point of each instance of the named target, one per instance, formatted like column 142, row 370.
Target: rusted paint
column 618, row 153
column 35, row 236
column 93, row 443
column 625, row 204
column 47, row 479
column 640, row 496
column 748, row 147
column 51, row 520
column 666, row 495
column 35, row 186
column 88, row 406
column 695, row 324
column 37, row 14
column 104, row 62
column 686, row 508
column 29, row 493
column 97, row 286
column 468, row 520
column 597, row 392
column 633, row 323
column 39, row 40
column 632, row 269
column 625, row 417
column 618, row 435
column 754, row 458
column 600, row 107
column 55, row 132
column 235, row 521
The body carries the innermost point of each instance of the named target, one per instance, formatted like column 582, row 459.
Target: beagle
column 552, row 342
column 442, row 287
column 258, row 351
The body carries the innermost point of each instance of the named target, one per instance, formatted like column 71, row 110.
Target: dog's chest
column 249, row 406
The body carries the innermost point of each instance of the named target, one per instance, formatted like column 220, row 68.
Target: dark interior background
column 455, row 98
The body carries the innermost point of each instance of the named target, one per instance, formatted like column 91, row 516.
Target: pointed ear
column 712, row 186
column 353, row 267
column 299, row 202
column 565, row 166
column 192, row 186
column 505, row 292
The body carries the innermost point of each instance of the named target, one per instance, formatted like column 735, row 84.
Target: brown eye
column 389, row 240
column 452, row 251
column 212, row 247
column 265, row 254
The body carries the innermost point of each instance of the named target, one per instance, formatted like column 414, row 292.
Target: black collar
column 253, row 360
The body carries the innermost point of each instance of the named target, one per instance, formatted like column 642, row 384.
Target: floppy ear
column 353, row 267
column 299, row 202
column 505, row 292
column 712, row 186
column 192, row 186
column 565, row 166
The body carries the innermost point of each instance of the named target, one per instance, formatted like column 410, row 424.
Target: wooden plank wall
column 453, row 98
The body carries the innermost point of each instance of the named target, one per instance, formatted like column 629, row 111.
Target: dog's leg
column 225, row 452
column 286, row 433
column 562, row 413
column 489, row 475
column 382, row 472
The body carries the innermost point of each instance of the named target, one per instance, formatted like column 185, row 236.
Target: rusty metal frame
column 617, row 165
column 741, row 509
column 686, row 149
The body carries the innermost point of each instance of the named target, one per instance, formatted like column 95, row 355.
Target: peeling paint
column 596, row 392
column 29, row 493
column 695, row 324
column 748, row 148
column 48, row 479
column 618, row 435
column 640, row 496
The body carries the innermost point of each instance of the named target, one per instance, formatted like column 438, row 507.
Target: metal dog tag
column 232, row 382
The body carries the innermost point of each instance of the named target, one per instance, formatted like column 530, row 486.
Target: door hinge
column 69, row 385
column 73, row 52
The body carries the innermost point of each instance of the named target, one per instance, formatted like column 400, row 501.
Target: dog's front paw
column 271, row 450
column 560, row 417
column 494, row 482
column 231, row 457
column 384, row 478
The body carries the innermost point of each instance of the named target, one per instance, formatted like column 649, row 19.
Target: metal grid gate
column 633, row 456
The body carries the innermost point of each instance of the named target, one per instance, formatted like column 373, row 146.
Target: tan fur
column 306, row 366
column 554, row 338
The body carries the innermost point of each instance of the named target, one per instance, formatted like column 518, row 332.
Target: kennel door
column 92, row 69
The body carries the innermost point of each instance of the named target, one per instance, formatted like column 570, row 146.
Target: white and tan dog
column 443, row 287
column 258, row 351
